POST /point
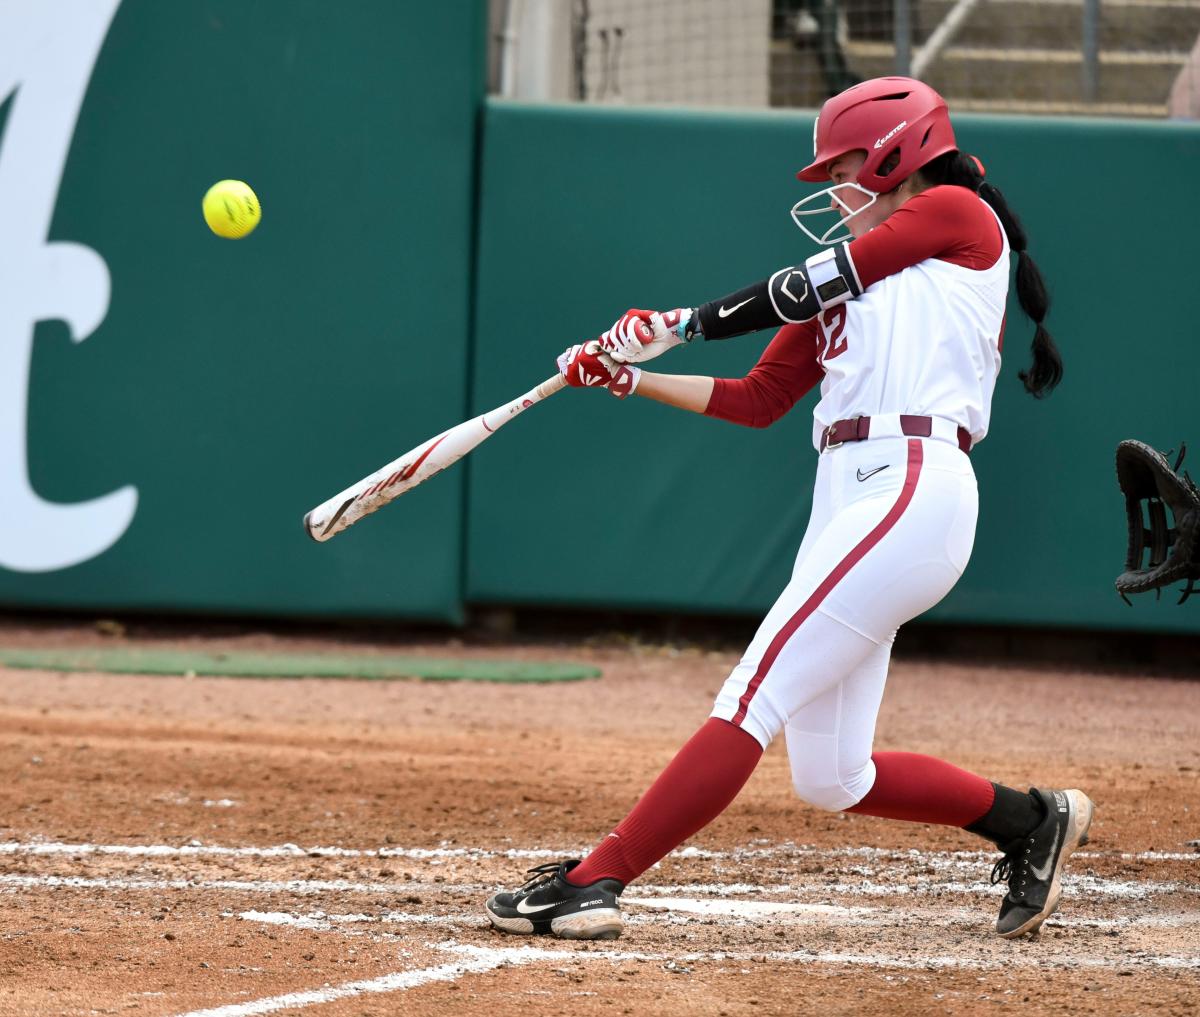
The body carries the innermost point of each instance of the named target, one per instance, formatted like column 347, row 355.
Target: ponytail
column 961, row 170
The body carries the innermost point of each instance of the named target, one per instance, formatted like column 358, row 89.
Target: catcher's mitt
column 1145, row 476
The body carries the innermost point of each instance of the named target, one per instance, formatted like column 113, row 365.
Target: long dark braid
column 962, row 170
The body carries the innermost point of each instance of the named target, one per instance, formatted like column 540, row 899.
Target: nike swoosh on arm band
column 790, row 296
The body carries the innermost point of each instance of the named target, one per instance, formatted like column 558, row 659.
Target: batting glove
column 639, row 336
column 625, row 379
column 584, row 366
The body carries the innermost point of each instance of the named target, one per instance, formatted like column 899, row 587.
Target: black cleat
column 547, row 905
column 1033, row 865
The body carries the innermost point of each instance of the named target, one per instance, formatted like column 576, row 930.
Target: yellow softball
column 231, row 208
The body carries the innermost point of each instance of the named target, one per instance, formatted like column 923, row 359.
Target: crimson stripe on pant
column 915, row 457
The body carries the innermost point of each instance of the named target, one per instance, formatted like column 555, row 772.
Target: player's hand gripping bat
column 415, row 467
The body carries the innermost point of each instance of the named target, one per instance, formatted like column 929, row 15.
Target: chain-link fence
column 1104, row 57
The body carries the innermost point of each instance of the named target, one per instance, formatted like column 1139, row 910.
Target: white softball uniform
column 924, row 341
column 892, row 523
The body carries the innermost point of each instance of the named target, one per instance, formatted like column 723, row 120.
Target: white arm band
column 833, row 276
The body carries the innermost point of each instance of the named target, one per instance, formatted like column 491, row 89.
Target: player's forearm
column 686, row 391
column 790, row 296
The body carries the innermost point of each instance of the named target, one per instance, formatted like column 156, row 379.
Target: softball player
column 901, row 323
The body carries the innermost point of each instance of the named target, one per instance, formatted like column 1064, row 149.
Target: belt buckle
column 830, row 445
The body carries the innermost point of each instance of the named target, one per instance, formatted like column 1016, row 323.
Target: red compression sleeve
column 948, row 223
column 690, row 793
column 923, row 789
column 786, row 371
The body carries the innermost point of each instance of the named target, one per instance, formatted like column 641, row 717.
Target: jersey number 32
column 833, row 324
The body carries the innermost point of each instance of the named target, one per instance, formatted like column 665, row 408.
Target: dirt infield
column 171, row 846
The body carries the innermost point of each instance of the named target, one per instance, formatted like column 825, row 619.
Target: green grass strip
column 123, row 660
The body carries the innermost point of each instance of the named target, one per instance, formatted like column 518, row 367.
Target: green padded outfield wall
column 586, row 212
column 225, row 387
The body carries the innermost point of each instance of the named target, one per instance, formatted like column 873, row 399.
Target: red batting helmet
column 881, row 116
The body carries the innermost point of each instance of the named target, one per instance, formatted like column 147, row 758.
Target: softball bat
column 417, row 465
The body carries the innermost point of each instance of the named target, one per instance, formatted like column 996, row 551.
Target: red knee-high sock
column 690, row 793
column 922, row 789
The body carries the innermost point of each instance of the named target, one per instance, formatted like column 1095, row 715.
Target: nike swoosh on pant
column 867, row 476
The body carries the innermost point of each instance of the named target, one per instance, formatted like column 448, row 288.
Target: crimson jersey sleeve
column 949, row 223
column 786, row 371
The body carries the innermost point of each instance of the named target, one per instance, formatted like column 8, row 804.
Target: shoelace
column 1002, row 870
column 1012, row 866
column 538, row 875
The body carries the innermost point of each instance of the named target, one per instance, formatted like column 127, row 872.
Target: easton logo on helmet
column 891, row 134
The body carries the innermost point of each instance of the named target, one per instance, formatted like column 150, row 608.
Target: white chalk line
column 476, row 960
column 296, row 886
column 196, row 849
column 1089, row 885
column 783, row 913
column 1077, row 884
column 872, row 882
column 480, row 961
column 748, row 908
column 1010, row 959
column 730, row 908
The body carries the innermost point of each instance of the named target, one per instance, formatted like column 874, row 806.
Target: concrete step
column 1057, row 108
column 1048, row 82
column 1054, row 23
column 1058, row 24
column 992, row 73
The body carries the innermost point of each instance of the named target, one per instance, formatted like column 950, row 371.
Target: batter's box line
column 477, row 960
column 481, row 962
column 1079, row 884
column 196, row 849
column 680, row 908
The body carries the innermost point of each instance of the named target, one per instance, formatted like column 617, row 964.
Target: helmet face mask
column 828, row 202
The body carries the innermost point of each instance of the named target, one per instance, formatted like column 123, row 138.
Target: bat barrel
column 416, row 466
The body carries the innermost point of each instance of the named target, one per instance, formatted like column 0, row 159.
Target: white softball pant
column 892, row 525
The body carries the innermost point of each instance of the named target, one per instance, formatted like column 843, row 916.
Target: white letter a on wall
column 47, row 52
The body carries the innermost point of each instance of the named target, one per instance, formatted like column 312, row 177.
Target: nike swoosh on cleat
column 867, row 476
column 1044, row 872
column 525, row 908
column 724, row 312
